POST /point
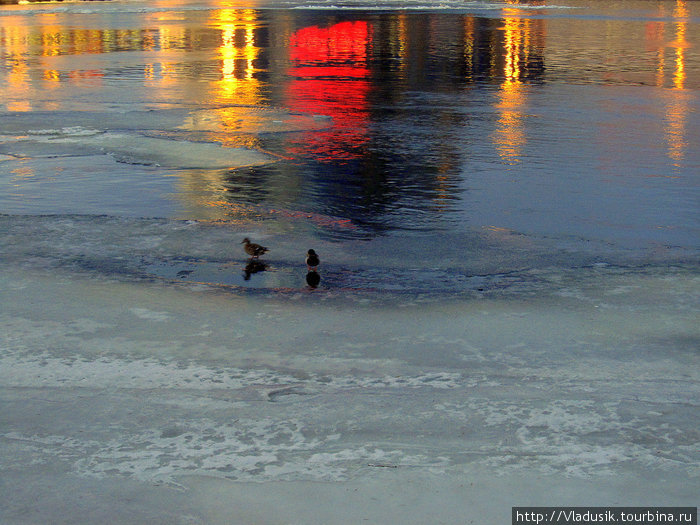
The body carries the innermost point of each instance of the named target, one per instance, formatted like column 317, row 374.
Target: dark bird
column 312, row 260
column 252, row 249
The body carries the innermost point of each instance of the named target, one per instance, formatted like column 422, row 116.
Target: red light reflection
column 331, row 78
column 342, row 41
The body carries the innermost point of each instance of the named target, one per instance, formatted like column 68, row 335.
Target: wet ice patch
column 138, row 149
column 133, row 148
column 247, row 119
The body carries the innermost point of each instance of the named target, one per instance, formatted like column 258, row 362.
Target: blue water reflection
column 519, row 119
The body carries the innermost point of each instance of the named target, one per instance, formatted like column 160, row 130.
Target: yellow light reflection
column 22, row 174
column 510, row 136
column 680, row 43
column 15, row 39
column 675, row 129
column 238, row 52
column 677, row 108
column 238, row 89
column 468, row 51
column 52, row 76
column 679, row 76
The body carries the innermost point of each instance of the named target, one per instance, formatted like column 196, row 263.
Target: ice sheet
column 115, row 386
column 162, row 152
column 151, row 381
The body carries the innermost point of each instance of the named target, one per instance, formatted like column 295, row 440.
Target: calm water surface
column 467, row 126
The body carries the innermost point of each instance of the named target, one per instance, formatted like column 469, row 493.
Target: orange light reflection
column 677, row 108
column 510, row 136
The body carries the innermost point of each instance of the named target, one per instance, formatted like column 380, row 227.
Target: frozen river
column 504, row 197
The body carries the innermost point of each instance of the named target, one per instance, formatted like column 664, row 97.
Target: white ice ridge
column 257, row 449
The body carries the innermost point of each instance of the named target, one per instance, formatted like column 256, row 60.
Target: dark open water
column 477, row 137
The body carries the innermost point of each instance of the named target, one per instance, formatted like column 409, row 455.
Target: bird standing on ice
column 312, row 260
column 252, row 249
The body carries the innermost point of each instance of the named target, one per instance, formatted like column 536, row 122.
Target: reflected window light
column 510, row 134
column 148, row 72
column 675, row 128
column 52, row 75
column 677, row 109
column 238, row 49
column 468, row 51
column 509, row 137
column 331, row 74
column 679, row 76
column 681, row 12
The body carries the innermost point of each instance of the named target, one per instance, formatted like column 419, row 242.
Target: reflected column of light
column 655, row 34
column 245, row 88
column 512, row 65
column 85, row 41
column 468, row 51
column 156, row 73
column 15, row 39
column 51, row 41
column 238, row 83
column 681, row 44
column 148, row 44
column 167, row 41
column 332, row 78
column 51, row 47
column 510, row 136
column 402, row 44
column 677, row 109
column 236, row 91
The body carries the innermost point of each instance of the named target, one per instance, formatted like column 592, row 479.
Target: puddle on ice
column 247, row 274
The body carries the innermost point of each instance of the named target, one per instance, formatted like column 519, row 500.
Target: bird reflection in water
column 253, row 266
column 313, row 278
